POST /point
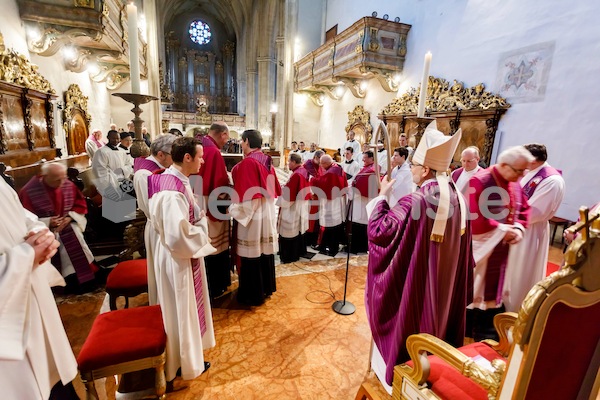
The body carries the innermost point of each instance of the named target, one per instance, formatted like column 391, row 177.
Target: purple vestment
column 414, row 284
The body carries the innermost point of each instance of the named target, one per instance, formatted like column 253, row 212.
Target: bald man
column 469, row 158
column 61, row 207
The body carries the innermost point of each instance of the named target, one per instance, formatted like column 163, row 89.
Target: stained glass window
column 200, row 32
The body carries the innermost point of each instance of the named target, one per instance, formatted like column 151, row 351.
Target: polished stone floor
column 292, row 347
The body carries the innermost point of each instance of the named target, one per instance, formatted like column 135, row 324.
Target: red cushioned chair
column 124, row 341
column 556, row 350
column 128, row 279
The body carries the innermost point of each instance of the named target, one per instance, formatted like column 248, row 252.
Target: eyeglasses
column 416, row 165
column 468, row 161
column 516, row 171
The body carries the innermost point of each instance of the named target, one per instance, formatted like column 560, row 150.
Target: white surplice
column 109, row 167
column 403, row 184
column 293, row 217
column 462, row 183
column 174, row 242
column 34, row 349
column 527, row 259
column 382, row 161
column 140, row 185
column 356, row 154
column 352, row 169
column 257, row 229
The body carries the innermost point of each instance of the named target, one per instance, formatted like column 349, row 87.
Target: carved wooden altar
column 76, row 120
column 359, row 121
column 26, row 111
column 474, row 110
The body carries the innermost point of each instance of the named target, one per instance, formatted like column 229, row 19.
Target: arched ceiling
column 233, row 13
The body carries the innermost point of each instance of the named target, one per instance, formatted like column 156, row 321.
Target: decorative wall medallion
column 523, row 73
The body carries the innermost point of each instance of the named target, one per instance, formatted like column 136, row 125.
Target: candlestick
column 424, row 83
column 134, row 55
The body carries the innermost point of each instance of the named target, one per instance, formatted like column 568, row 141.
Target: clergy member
column 364, row 188
column 469, row 158
column 293, row 212
column 62, row 208
column 382, row 155
column 214, row 181
column 500, row 208
column 401, row 175
column 544, row 188
column 350, row 165
column 110, row 167
column 403, row 142
column 351, row 142
column 329, row 189
column 36, row 359
column 314, row 170
column 179, row 241
column 420, row 260
column 256, row 186
column 159, row 159
column 93, row 143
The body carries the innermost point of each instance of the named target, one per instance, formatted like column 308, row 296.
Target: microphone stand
column 345, row 307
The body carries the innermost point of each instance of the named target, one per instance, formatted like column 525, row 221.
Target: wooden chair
column 556, row 349
column 127, row 279
column 124, row 341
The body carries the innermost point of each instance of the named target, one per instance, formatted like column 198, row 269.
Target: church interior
column 506, row 73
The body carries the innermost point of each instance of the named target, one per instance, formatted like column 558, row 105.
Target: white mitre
column 436, row 150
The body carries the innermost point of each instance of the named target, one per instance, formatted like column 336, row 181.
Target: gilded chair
column 556, row 349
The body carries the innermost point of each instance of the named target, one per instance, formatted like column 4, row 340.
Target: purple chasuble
column 534, row 182
column 44, row 208
column 457, row 173
column 158, row 183
column 414, row 284
column 262, row 159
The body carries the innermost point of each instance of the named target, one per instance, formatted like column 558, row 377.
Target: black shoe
column 315, row 247
column 206, row 366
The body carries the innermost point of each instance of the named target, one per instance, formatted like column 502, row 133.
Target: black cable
column 330, row 293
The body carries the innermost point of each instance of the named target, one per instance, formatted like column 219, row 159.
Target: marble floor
column 292, row 347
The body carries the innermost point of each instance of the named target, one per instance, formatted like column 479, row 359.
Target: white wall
column 467, row 39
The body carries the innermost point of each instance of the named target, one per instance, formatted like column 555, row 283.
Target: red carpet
column 551, row 267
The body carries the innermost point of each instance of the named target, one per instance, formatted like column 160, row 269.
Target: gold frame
column 576, row 284
column 360, row 119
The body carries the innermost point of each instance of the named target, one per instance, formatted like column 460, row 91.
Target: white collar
column 175, row 172
column 151, row 158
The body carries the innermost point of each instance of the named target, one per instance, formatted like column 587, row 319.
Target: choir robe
column 312, row 235
column 255, row 226
column 110, row 165
column 73, row 256
column 178, row 247
column 355, row 147
column 214, row 176
column 293, row 215
column 403, row 184
column 329, row 189
column 35, row 352
column 143, row 168
column 382, row 161
column 364, row 188
column 544, row 188
column 461, row 178
column 489, row 251
column 351, row 168
column 92, row 145
column 415, row 284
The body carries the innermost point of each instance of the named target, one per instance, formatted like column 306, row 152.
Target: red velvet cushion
column 570, row 338
column 447, row 383
column 123, row 335
column 127, row 275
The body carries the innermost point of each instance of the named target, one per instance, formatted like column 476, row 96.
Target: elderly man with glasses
column 469, row 158
column 500, row 215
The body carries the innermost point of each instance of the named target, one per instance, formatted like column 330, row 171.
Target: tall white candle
column 424, row 83
column 134, row 55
